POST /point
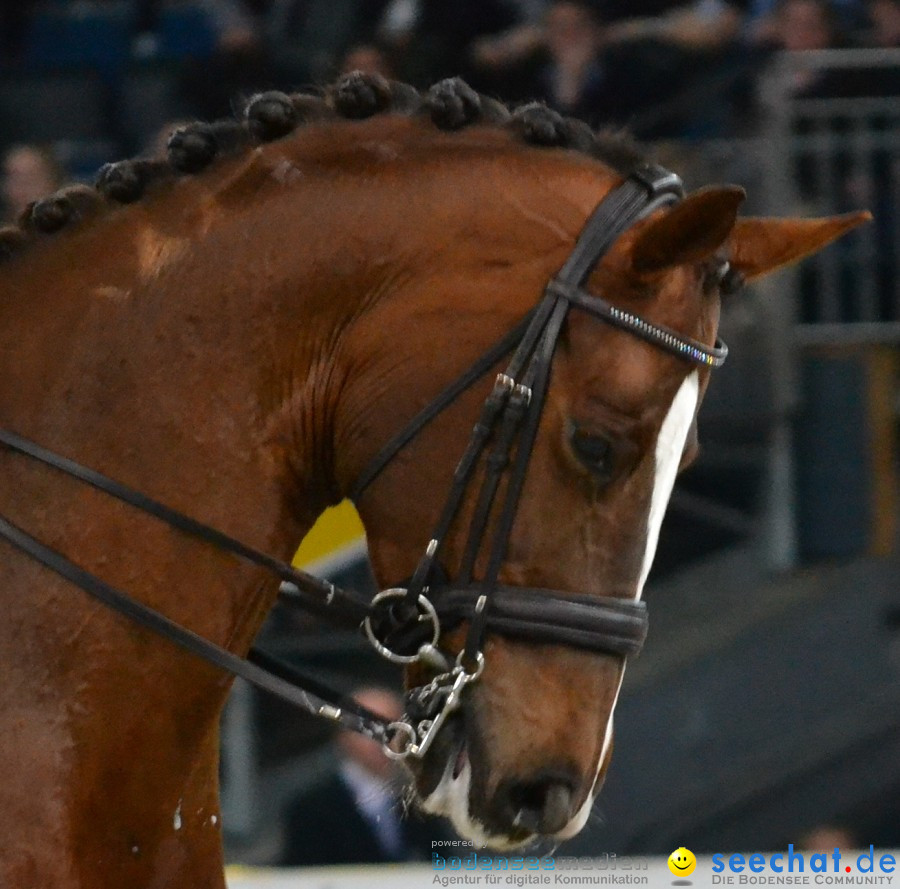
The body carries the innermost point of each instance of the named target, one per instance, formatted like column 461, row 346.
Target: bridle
column 405, row 624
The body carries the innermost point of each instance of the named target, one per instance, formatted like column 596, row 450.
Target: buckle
column 657, row 180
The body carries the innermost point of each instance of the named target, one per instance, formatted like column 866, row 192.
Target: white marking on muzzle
column 451, row 799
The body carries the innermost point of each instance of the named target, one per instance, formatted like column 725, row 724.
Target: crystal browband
column 682, row 346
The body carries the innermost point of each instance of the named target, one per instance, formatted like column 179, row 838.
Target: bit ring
column 427, row 612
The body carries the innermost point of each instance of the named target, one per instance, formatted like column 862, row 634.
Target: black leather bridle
column 405, row 624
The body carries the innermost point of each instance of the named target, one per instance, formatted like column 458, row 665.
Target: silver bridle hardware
column 443, row 695
column 427, row 614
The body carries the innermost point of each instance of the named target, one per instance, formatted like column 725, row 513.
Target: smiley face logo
column 682, row 862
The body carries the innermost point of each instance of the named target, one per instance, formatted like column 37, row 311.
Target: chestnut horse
column 236, row 330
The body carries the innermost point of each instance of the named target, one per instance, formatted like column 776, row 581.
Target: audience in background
column 847, row 13
column 431, row 39
column 225, row 16
column 238, row 64
column 663, row 68
column 306, row 38
column 29, row 172
column 666, row 68
column 574, row 70
column 799, row 25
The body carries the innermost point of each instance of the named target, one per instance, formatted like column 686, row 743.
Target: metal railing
column 829, row 146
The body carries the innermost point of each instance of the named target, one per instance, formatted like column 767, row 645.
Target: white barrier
column 750, row 869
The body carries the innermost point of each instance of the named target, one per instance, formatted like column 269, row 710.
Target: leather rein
column 405, row 624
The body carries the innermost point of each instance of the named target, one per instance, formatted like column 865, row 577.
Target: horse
column 236, row 329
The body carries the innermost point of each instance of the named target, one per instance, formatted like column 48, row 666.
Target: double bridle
column 405, row 624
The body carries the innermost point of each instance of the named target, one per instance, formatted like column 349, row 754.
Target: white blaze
column 669, row 449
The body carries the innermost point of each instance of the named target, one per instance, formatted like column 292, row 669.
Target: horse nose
column 540, row 804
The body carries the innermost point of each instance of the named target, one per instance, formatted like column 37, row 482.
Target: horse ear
column 761, row 244
column 690, row 231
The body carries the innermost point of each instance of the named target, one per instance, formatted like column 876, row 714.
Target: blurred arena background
column 767, row 701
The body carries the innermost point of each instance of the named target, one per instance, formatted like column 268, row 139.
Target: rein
column 405, row 624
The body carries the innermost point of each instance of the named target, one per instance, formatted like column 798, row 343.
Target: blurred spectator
column 801, row 25
column 239, row 64
column 884, row 21
column 354, row 816
column 228, row 17
column 580, row 77
column 798, row 25
column 848, row 15
column 706, row 25
column 560, row 59
column 30, row 172
column 700, row 25
column 827, row 838
column 431, row 39
column 368, row 58
column 690, row 54
column 589, row 69
column 307, row 38
column 496, row 54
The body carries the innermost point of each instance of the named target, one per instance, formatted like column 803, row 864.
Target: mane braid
column 450, row 104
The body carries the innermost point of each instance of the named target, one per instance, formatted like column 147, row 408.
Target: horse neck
column 226, row 345
column 239, row 354
column 193, row 371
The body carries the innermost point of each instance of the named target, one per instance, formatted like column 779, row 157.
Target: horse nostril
column 542, row 804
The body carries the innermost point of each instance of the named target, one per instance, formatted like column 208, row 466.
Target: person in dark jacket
column 356, row 815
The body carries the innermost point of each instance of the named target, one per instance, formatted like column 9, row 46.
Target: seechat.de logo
column 804, row 868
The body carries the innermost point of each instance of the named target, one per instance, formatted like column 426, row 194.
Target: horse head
column 525, row 753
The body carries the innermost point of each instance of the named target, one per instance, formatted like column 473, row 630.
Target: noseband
column 405, row 624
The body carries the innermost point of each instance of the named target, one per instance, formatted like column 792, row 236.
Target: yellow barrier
column 336, row 538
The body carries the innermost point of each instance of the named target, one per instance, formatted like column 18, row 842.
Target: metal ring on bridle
column 395, row 730
column 426, row 612
column 479, row 665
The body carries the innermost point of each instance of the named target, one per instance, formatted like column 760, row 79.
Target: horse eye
column 726, row 279
column 594, row 451
column 732, row 281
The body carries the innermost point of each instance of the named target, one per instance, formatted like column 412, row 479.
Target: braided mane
column 450, row 104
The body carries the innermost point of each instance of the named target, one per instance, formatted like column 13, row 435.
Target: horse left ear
column 692, row 230
column 760, row 244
